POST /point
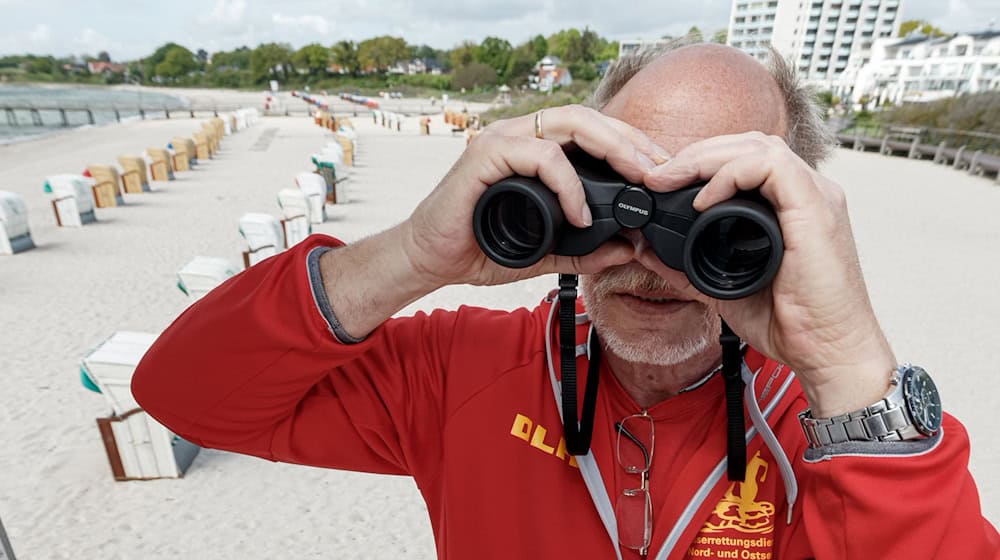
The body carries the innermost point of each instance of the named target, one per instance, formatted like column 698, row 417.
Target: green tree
column 268, row 59
column 540, row 46
column 695, row 34
column 590, row 44
column 238, row 59
column 474, row 75
column 158, row 56
column 609, row 51
column 103, row 56
column 567, row 45
column 520, row 64
column 313, row 57
column 494, row 52
column 463, row 55
column 379, row 53
column 925, row 28
column 177, row 63
column 345, row 55
column 720, row 36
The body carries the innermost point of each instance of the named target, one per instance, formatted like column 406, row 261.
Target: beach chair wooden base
column 133, row 183
column 181, row 162
column 106, row 195
column 254, row 256
column 160, row 171
column 68, row 213
column 296, row 229
column 140, row 448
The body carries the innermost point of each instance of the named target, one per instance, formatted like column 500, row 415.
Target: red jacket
column 462, row 401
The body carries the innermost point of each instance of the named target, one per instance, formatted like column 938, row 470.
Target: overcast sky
column 131, row 29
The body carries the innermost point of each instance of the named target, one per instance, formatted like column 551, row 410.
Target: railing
column 27, row 114
column 972, row 140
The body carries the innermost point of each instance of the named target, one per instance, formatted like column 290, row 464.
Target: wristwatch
column 912, row 410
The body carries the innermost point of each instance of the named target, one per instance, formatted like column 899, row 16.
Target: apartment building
column 828, row 41
column 927, row 68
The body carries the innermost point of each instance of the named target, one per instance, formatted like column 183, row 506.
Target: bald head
column 700, row 91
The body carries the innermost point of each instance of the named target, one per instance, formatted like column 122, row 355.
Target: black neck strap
column 578, row 434
column 736, row 443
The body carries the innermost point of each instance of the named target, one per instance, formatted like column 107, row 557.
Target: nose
column 638, row 241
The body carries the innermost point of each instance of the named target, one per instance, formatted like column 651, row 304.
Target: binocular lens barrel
column 733, row 249
column 515, row 222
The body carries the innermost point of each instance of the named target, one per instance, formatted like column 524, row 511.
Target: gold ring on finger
column 538, row 124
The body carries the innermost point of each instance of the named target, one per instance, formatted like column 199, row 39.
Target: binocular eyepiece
column 730, row 251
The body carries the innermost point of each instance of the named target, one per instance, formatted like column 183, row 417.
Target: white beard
column 646, row 347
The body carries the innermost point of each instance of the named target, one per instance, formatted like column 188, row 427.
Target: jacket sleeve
column 909, row 500
column 254, row 367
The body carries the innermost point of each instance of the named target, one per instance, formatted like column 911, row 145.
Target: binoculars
column 730, row 251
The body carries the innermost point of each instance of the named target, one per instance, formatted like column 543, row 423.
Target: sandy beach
column 927, row 234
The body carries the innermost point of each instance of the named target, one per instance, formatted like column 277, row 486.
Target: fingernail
column 588, row 219
column 660, row 156
column 644, row 162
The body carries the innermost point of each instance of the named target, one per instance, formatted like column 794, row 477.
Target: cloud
column 318, row 24
column 40, row 34
column 226, row 12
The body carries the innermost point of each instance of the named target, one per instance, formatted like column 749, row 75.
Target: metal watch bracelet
column 886, row 420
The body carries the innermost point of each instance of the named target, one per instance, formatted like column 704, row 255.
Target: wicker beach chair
column 262, row 237
column 138, row 447
column 295, row 212
column 15, row 236
column 203, row 274
column 314, row 188
column 107, row 186
column 134, row 178
column 73, row 199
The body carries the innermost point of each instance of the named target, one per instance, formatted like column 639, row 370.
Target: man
column 298, row 360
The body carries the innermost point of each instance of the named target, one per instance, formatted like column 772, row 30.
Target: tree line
column 492, row 61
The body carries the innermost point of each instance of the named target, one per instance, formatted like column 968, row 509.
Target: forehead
column 699, row 92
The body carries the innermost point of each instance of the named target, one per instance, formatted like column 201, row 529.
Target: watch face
column 922, row 400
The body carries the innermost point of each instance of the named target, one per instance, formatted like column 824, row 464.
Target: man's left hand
column 816, row 316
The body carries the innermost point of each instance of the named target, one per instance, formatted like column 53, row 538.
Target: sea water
column 101, row 100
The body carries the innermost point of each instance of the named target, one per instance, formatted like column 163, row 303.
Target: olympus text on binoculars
column 730, row 251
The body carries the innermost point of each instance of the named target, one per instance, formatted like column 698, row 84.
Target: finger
column 643, row 143
column 701, row 160
column 612, row 253
column 592, row 132
column 786, row 183
column 531, row 157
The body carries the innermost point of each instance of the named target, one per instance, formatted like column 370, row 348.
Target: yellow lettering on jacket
column 522, row 427
column 526, row 429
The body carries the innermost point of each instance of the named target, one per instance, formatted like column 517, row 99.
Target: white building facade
column 828, row 41
column 925, row 69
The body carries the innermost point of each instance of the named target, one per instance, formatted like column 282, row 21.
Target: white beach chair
column 262, row 237
column 314, row 187
column 203, row 274
column 295, row 209
column 15, row 236
column 138, row 447
column 72, row 199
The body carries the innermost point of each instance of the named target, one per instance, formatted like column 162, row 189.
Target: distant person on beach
column 298, row 358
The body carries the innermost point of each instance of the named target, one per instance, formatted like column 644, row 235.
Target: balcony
column 825, row 52
column 811, row 38
column 868, row 28
column 807, row 51
column 849, row 28
column 816, row 12
column 892, row 3
column 833, row 14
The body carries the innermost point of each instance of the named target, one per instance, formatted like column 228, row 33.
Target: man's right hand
column 371, row 280
column 440, row 243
